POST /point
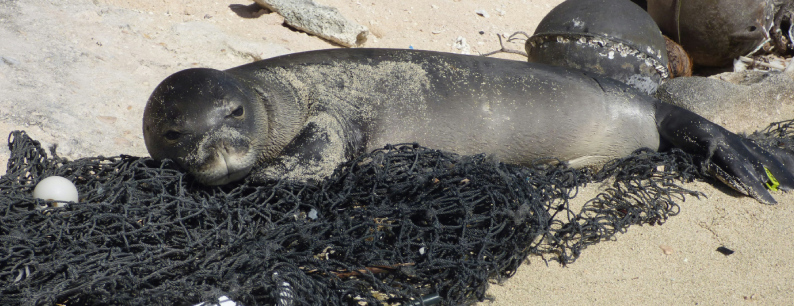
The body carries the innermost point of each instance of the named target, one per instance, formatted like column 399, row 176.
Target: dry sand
column 77, row 73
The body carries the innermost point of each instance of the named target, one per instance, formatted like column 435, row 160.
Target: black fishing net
column 777, row 134
column 405, row 225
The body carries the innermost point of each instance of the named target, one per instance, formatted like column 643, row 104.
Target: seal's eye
column 172, row 135
column 238, row 112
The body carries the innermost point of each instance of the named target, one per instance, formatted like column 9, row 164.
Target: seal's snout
column 230, row 147
column 222, row 157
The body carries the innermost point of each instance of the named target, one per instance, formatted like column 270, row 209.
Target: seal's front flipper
column 311, row 156
column 734, row 160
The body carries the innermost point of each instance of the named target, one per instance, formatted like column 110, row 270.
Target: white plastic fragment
column 789, row 67
column 285, row 294
column 482, row 13
column 22, row 274
column 462, row 45
column 225, row 301
column 222, row 301
column 739, row 66
column 762, row 63
column 323, row 21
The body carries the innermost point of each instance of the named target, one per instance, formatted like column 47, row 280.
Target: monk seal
column 298, row 116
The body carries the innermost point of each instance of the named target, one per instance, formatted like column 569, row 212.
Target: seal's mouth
column 221, row 158
column 225, row 167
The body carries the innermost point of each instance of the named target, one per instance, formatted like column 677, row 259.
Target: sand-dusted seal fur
column 298, row 116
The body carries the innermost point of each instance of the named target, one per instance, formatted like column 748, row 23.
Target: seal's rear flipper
column 785, row 156
column 734, row 160
column 778, row 164
column 748, row 168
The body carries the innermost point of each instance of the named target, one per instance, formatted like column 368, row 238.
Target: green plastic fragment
column 772, row 184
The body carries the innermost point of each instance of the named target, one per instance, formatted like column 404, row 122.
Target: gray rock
column 753, row 97
column 323, row 21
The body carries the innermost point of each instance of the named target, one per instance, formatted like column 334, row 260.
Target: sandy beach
column 77, row 73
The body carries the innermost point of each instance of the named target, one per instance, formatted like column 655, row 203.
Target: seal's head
column 206, row 121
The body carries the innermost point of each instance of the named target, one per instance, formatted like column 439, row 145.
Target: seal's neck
column 284, row 113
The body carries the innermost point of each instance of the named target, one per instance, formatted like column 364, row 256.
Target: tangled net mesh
column 404, row 225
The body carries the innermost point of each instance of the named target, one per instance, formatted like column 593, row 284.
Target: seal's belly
column 574, row 122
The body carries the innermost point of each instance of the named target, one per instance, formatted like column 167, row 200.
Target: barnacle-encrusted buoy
column 714, row 33
column 614, row 38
